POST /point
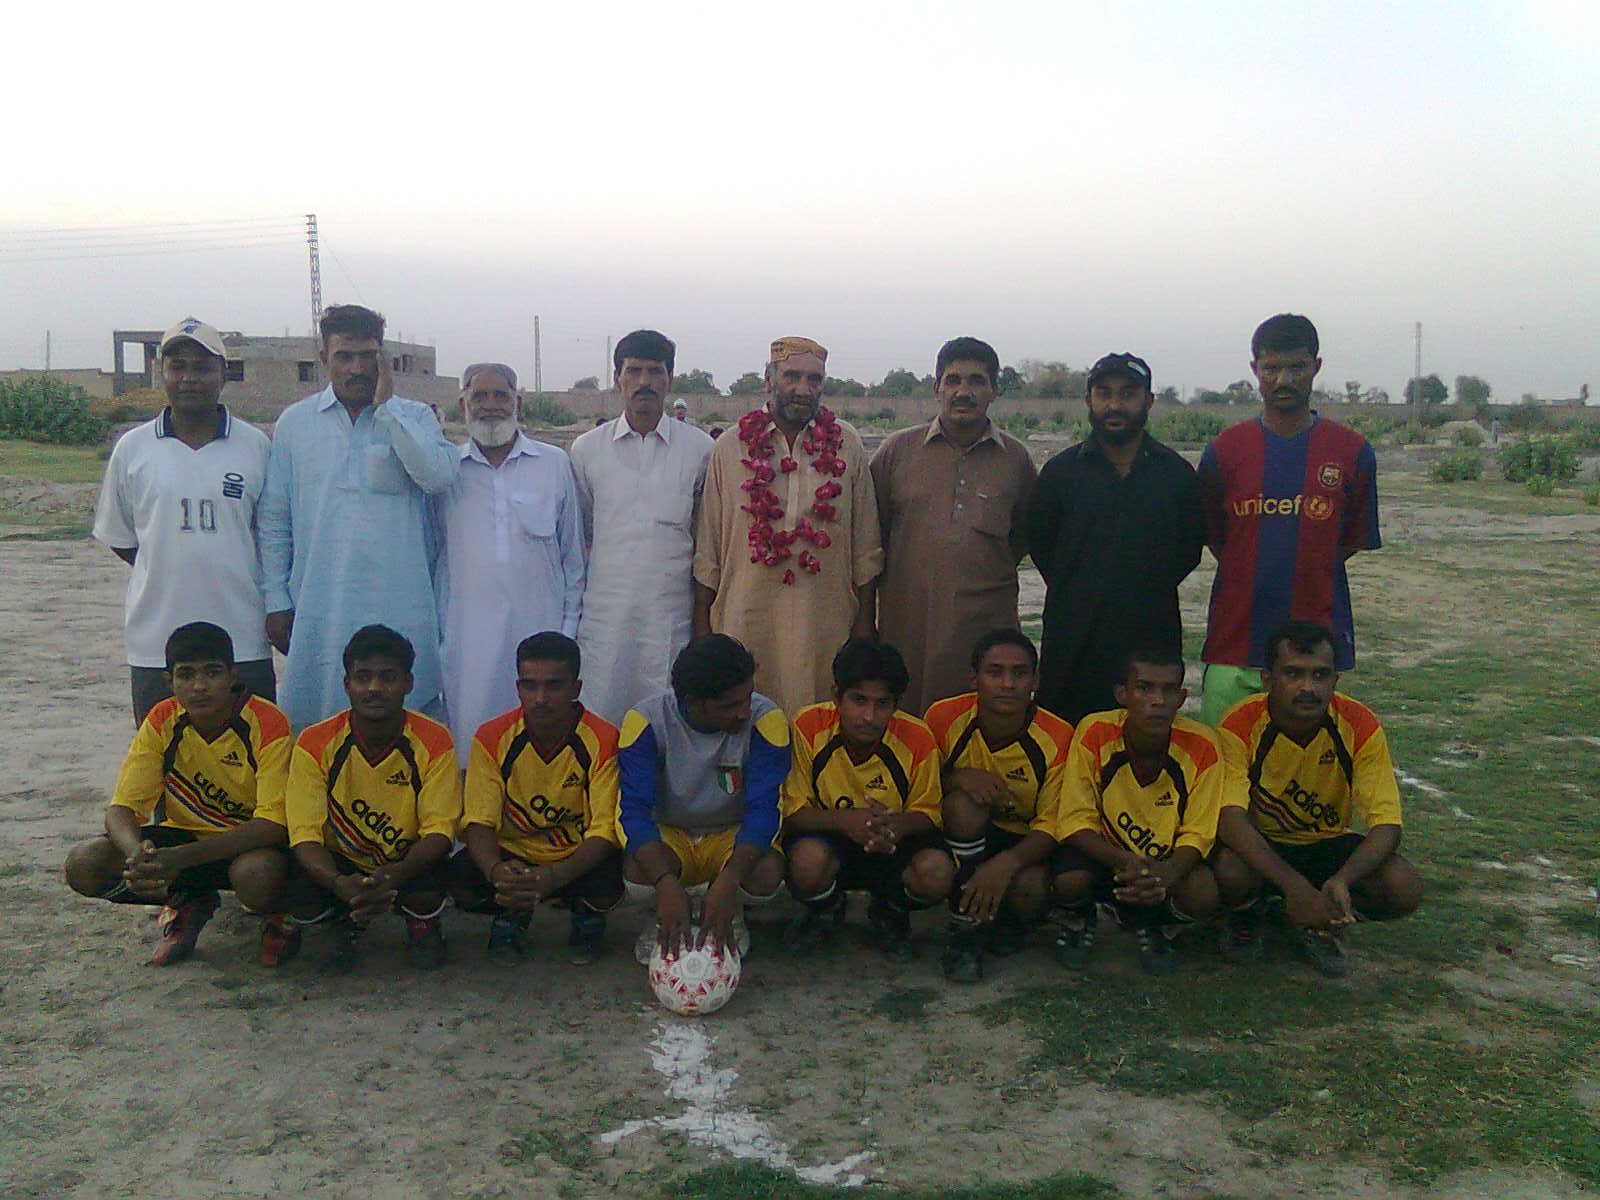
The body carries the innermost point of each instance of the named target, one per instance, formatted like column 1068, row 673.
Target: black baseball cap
column 1122, row 364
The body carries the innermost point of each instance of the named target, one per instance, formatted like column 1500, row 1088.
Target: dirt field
column 218, row 1078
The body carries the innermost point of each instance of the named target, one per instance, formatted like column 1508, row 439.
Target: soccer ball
column 697, row 981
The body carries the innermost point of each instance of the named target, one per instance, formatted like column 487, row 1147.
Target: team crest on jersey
column 231, row 759
column 729, row 778
column 573, row 779
column 1327, row 758
column 233, row 485
column 397, row 777
column 1318, row 508
column 1330, row 475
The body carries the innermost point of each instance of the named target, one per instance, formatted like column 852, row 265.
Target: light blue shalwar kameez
column 346, row 541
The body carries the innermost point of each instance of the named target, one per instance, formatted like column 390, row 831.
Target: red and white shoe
column 280, row 940
column 181, row 924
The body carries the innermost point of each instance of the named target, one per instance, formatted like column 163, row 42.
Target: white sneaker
column 646, row 945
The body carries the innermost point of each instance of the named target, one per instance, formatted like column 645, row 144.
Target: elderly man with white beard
column 512, row 563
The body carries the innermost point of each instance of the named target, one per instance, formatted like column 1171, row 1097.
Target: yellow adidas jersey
column 543, row 809
column 1177, row 808
column 1302, row 795
column 372, row 813
column 182, row 781
column 1034, row 766
column 902, row 774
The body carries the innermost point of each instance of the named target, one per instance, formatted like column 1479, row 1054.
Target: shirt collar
column 327, row 400
column 224, row 423
column 991, row 433
column 663, row 430
column 523, row 445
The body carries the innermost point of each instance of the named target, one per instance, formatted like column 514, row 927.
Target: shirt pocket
column 535, row 516
column 675, row 509
column 991, row 514
column 382, row 470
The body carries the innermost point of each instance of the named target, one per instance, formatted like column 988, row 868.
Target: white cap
column 196, row 331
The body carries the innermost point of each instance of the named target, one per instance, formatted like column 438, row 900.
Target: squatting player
column 198, row 806
column 540, row 815
column 1004, row 763
column 861, row 804
column 1139, row 815
column 1301, row 759
column 701, row 767
column 373, row 801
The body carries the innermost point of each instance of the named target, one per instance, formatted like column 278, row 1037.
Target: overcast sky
column 1061, row 180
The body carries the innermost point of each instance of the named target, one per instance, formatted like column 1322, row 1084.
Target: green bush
column 1466, row 463
column 1552, row 458
column 1374, row 421
column 1585, row 436
column 544, row 409
column 1018, row 424
column 1469, row 435
column 1187, row 426
column 41, row 409
column 1591, row 496
column 1413, row 435
column 1541, row 485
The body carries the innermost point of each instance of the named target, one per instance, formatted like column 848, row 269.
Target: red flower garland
column 823, row 440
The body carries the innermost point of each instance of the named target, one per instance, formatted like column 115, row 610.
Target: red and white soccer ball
column 694, row 982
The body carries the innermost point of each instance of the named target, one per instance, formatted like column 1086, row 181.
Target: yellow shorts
column 701, row 857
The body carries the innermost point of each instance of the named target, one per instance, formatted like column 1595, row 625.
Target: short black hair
column 1151, row 654
column 379, row 641
column 351, row 320
column 646, row 344
column 972, row 348
column 551, row 646
column 709, row 666
column 1004, row 637
column 1303, row 637
column 861, row 660
column 1286, row 331
column 199, row 641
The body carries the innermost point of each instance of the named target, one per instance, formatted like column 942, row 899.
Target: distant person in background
column 639, row 480
column 1114, row 528
column 178, row 505
column 952, row 495
column 1287, row 496
column 512, row 561
column 788, row 553
column 680, row 410
column 344, row 529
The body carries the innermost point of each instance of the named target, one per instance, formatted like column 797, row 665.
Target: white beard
column 493, row 434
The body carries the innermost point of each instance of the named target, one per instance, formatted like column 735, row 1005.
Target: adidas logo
column 1327, row 757
column 398, row 777
column 877, row 783
column 1020, row 774
column 232, row 759
column 1165, row 801
column 573, row 779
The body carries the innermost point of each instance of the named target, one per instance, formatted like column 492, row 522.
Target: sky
column 1062, row 180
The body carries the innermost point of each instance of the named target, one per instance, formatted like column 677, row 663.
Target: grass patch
column 760, row 1183
column 905, row 1005
column 53, row 464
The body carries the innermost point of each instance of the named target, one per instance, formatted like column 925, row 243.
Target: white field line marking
column 1431, row 789
column 681, row 1051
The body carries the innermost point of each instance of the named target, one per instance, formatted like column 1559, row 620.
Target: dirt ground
column 219, row 1078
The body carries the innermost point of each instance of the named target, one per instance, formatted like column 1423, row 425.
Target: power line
column 141, row 250
column 150, row 227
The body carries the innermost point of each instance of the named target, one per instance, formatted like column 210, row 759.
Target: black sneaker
column 1007, row 934
column 891, row 931
column 424, row 941
column 1157, row 954
column 1075, row 942
column 587, row 937
column 345, row 952
column 505, row 937
column 1324, row 953
column 963, row 957
column 1241, row 936
column 815, row 925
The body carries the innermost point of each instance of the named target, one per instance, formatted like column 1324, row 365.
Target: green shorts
column 1224, row 687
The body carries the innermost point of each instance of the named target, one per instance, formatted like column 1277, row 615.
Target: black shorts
column 1318, row 861
column 878, row 874
column 302, row 893
column 600, row 888
column 1065, row 859
column 206, row 877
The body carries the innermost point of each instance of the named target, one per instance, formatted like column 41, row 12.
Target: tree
column 1375, row 395
column 1168, row 395
column 695, row 382
column 898, row 382
column 1430, row 389
column 1209, row 396
column 748, row 384
column 1242, row 391
column 1010, row 381
column 843, row 387
column 589, row 383
column 1352, row 391
column 1471, row 390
